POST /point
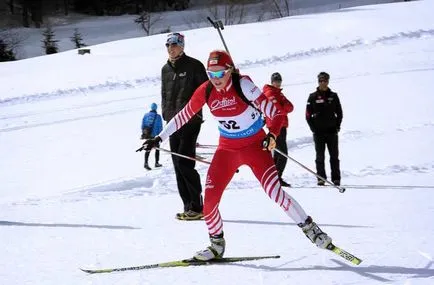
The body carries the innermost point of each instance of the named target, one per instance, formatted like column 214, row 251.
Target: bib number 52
column 230, row 125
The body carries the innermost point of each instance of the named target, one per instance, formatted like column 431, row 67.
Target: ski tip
column 92, row 271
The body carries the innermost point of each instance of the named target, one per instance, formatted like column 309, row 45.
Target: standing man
column 152, row 124
column 180, row 77
column 324, row 117
column 274, row 93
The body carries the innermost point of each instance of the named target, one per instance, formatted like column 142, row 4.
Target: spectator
column 152, row 125
column 324, row 117
column 274, row 94
column 180, row 77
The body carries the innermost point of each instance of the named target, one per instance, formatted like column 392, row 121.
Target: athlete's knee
column 211, row 200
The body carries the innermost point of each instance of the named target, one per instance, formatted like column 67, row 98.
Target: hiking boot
column 214, row 251
column 283, row 183
column 147, row 166
column 337, row 182
column 189, row 216
column 158, row 164
column 320, row 183
column 180, row 216
column 315, row 234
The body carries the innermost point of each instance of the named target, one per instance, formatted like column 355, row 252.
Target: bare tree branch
column 147, row 21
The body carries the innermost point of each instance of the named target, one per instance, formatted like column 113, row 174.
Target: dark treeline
column 31, row 12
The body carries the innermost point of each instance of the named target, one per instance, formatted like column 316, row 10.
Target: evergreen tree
column 77, row 39
column 6, row 54
column 50, row 44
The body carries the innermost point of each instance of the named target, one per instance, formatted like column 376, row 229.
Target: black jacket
column 178, row 83
column 324, row 112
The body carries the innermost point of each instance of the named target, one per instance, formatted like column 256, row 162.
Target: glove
column 269, row 142
column 150, row 144
column 146, row 134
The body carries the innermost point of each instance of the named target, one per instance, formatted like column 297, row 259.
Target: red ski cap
column 220, row 58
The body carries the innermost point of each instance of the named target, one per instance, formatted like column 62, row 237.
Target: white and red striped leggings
column 223, row 166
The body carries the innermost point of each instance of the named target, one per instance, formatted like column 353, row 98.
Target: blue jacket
column 152, row 120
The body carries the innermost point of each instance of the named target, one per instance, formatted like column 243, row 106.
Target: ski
column 181, row 263
column 344, row 254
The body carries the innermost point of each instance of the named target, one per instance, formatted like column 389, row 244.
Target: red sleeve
column 275, row 95
column 285, row 104
column 182, row 117
column 198, row 98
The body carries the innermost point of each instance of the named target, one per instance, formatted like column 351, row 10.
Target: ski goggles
column 217, row 74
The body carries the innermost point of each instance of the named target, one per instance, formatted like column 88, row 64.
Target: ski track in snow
column 126, row 188
column 142, row 186
column 303, row 142
column 135, row 83
column 25, row 125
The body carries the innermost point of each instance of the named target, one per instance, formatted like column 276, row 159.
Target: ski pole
column 199, row 158
column 183, row 156
column 341, row 189
column 206, row 145
column 219, row 26
column 188, row 157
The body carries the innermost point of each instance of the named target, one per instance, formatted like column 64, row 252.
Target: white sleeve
column 255, row 95
column 250, row 90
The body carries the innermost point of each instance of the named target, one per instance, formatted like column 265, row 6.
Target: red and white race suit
column 240, row 143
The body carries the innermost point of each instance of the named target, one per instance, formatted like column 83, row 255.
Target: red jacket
column 276, row 96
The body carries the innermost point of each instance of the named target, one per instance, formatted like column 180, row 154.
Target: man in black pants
column 324, row 117
column 274, row 93
column 180, row 77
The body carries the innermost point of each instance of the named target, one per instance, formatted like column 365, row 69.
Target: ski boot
column 315, row 234
column 214, row 251
column 158, row 164
column 147, row 166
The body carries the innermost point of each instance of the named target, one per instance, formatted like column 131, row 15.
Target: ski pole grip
column 212, row 23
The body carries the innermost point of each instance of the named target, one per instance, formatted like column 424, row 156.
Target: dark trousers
column 183, row 142
column 279, row 159
column 331, row 141
column 157, row 156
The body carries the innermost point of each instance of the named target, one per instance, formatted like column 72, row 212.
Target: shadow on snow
column 20, row 224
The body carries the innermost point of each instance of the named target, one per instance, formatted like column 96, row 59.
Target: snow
column 74, row 193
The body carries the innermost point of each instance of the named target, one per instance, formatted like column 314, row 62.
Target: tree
column 146, row 20
column 36, row 12
column 282, row 8
column 11, row 41
column 6, row 53
column 230, row 12
column 50, row 44
column 66, row 7
column 77, row 39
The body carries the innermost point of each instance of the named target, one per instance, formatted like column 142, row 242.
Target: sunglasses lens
column 216, row 74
